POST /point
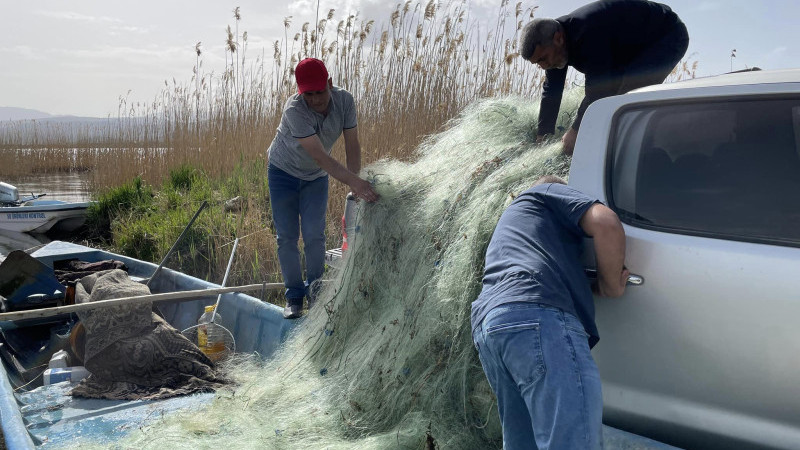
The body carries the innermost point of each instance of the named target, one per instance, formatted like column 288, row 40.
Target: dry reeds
column 409, row 75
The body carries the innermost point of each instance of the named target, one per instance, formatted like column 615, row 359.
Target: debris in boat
column 26, row 283
column 73, row 269
column 131, row 352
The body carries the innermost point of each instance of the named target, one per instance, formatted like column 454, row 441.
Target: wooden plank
column 154, row 298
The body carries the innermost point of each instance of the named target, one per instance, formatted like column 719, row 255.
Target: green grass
column 143, row 222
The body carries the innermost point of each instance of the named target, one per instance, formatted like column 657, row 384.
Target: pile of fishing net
column 385, row 360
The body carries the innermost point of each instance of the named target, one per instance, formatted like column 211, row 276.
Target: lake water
column 70, row 187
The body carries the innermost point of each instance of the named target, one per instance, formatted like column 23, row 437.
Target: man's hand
column 612, row 290
column 568, row 141
column 603, row 225
column 362, row 188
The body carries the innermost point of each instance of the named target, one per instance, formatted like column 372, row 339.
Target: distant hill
column 21, row 127
column 10, row 114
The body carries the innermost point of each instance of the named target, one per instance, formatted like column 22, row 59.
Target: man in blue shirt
column 619, row 45
column 299, row 164
column 533, row 322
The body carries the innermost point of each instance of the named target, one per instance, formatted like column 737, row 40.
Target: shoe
column 292, row 310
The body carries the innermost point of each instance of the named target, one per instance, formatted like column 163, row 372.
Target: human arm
column 352, row 149
column 603, row 225
column 552, row 91
column 360, row 187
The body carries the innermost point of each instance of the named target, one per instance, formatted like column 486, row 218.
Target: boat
column 33, row 215
column 41, row 216
column 39, row 414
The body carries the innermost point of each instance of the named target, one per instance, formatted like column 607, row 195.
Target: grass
column 207, row 139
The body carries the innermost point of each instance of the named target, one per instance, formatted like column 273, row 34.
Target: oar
column 154, row 298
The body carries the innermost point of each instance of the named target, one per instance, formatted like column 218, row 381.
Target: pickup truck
column 705, row 176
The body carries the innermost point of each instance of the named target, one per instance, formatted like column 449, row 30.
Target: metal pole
column 175, row 245
column 155, row 298
column 225, row 278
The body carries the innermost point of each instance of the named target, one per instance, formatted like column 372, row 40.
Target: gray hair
column 549, row 179
column 537, row 32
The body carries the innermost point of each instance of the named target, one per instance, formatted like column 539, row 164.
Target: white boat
column 32, row 215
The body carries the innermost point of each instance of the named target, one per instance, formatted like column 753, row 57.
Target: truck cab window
column 728, row 170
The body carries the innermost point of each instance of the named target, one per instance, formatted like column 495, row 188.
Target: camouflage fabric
column 131, row 352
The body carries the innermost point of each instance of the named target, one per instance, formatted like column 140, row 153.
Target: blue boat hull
column 48, row 416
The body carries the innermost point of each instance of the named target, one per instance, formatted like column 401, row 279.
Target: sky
column 78, row 57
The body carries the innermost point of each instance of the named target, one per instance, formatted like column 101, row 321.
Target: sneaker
column 292, row 310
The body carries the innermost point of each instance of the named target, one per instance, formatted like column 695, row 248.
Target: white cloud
column 67, row 15
column 306, row 10
column 708, row 6
column 143, row 54
column 23, row 51
column 777, row 51
column 133, row 29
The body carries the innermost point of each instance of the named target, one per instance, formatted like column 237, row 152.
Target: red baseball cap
column 311, row 75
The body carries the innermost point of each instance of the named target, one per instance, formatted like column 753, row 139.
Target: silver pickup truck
column 705, row 176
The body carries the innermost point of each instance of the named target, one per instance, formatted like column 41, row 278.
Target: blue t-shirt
column 535, row 256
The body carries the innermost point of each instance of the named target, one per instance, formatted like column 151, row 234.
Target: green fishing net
column 386, row 360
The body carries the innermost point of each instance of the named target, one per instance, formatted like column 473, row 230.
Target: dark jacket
column 603, row 39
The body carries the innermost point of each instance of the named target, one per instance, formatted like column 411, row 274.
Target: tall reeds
column 409, row 75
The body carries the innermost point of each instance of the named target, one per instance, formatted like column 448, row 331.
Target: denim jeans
column 538, row 363
column 298, row 205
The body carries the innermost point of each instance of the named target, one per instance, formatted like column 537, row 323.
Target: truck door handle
column 633, row 279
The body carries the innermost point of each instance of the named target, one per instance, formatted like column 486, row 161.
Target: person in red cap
column 299, row 165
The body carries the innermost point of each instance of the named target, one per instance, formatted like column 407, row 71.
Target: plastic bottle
column 59, row 360
column 210, row 336
column 59, row 374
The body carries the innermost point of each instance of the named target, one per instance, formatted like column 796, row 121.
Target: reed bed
column 409, row 74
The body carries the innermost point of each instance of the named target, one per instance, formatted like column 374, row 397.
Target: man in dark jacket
column 619, row 45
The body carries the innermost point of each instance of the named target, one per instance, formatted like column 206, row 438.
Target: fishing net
column 385, row 359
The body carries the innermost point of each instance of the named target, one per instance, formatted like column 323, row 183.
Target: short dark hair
column 549, row 179
column 537, row 32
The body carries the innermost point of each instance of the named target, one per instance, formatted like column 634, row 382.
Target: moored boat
column 33, row 215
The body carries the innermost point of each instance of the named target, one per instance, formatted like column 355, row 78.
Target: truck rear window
column 728, row 170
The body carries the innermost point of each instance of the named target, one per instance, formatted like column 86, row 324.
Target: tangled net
column 386, row 359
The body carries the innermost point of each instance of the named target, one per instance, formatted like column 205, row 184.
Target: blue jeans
column 298, row 204
column 538, row 363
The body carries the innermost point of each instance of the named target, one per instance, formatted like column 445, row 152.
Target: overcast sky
column 77, row 57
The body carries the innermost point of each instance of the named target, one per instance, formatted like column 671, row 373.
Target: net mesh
column 213, row 339
column 386, row 360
